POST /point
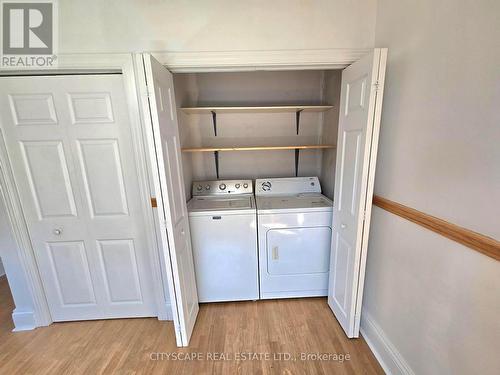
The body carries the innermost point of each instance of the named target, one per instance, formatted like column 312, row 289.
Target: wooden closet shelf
column 256, row 109
column 257, row 148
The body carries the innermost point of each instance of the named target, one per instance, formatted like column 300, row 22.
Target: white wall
column 436, row 301
column 217, row 25
column 252, row 129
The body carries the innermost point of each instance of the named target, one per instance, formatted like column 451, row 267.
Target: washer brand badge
column 29, row 34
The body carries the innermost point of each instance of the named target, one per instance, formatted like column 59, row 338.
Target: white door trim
column 102, row 63
column 15, row 214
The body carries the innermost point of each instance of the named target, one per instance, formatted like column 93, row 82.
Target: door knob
column 343, row 226
column 57, row 231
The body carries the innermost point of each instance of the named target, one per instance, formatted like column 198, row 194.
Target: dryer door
column 294, row 261
column 298, row 251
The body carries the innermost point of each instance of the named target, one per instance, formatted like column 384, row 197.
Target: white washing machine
column 295, row 230
column 223, row 223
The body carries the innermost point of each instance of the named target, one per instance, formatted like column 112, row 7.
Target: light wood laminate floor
column 129, row 346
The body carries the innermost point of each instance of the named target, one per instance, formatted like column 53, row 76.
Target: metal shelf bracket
column 214, row 120
column 297, row 153
column 297, row 120
column 216, row 159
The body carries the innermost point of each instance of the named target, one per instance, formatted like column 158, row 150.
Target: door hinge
column 375, row 85
column 148, row 92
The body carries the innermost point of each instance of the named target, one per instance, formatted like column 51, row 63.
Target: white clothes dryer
column 294, row 230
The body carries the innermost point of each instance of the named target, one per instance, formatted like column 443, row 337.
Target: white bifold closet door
column 71, row 151
column 160, row 112
column 359, row 123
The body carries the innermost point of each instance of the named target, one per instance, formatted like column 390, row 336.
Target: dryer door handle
column 276, row 254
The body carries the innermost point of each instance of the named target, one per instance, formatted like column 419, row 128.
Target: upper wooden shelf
column 274, row 108
column 256, row 148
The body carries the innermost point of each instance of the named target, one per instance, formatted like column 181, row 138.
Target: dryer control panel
column 222, row 187
column 287, row 186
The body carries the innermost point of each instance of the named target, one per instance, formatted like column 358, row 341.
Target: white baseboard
column 170, row 315
column 23, row 320
column 167, row 313
column 386, row 353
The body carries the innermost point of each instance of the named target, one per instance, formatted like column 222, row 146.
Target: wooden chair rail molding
column 479, row 242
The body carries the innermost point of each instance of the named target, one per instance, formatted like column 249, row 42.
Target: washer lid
column 210, row 205
column 296, row 203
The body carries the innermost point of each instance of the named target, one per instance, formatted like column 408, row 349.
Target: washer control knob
column 245, row 185
column 207, row 187
column 199, row 187
column 237, row 186
column 266, row 186
column 222, row 186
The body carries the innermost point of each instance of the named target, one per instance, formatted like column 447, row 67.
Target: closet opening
column 258, row 161
column 260, row 157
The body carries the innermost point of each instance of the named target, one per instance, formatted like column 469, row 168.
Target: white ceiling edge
column 227, row 61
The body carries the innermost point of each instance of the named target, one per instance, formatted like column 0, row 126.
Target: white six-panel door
column 69, row 142
column 174, row 220
column 359, row 122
